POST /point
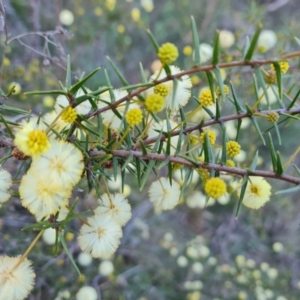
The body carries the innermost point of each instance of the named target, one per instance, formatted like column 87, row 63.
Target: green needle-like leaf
column 253, row 43
column 278, row 77
column 80, row 83
column 69, row 74
column 118, row 72
column 242, row 194
column 196, row 43
column 216, row 51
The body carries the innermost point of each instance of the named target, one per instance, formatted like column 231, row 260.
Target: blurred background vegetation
column 190, row 252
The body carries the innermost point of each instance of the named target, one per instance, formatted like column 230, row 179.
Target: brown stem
column 209, row 166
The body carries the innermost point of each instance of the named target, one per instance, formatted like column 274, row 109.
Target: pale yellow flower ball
column 48, row 101
column 182, row 261
column 84, row 259
column 17, row 88
column 226, row 38
column 66, row 17
column 87, row 293
column 106, row 268
column 49, row 236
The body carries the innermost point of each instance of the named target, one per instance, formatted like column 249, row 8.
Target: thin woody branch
column 293, row 111
column 196, row 69
column 209, row 166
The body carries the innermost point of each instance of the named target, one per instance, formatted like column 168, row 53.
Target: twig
column 208, row 166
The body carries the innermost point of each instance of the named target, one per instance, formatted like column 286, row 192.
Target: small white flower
column 164, row 195
column 42, row 196
column 196, row 199
column 66, row 17
column 106, row 268
column 15, row 284
column 49, row 236
column 206, row 52
column 87, row 293
column 115, row 206
column 197, row 267
column 101, row 238
column 182, row 261
column 226, row 39
column 147, row 5
column 278, row 247
column 63, row 162
column 266, row 41
column 84, row 259
column 272, row 95
column 5, row 183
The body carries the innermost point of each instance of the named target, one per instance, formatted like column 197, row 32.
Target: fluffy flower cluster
column 284, row 66
column 232, row 148
column 225, row 88
column 215, row 187
column 272, row 116
column 163, row 195
column 167, row 53
column 257, row 193
column 15, row 282
column 206, row 98
column 211, row 136
column 5, row 183
column 69, row 115
column 47, row 186
column 161, row 89
column 101, row 236
column 134, row 116
column 155, row 103
column 31, row 140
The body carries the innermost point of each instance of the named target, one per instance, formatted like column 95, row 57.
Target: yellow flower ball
column 233, row 148
column 215, row 187
column 284, row 66
column 16, row 86
column 206, row 98
column 135, row 14
column 226, row 90
column 167, row 53
column 273, row 116
column 211, row 136
column 48, row 101
column 162, row 90
column 134, row 117
column 230, row 163
column 121, row 28
column 187, row 50
column 69, row 115
column 155, row 103
column 193, row 139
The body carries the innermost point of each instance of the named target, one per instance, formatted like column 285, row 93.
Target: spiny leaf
column 242, row 194
column 273, row 153
column 278, row 78
column 288, row 191
column 195, row 42
column 253, row 43
column 279, row 168
column 216, row 51
column 69, row 74
column 80, row 83
column 119, row 74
